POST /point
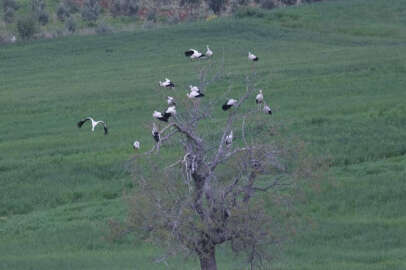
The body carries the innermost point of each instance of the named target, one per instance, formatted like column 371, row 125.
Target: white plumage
column 155, row 133
column 171, row 101
column 194, row 88
column 252, row 56
column 267, row 109
column 13, row 39
column 209, row 52
column 160, row 116
column 259, row 98
column 229, row 103
column 229, row 139
column 93, row 123
column 193, row 54
column 171, row 110
column 194, row 94
column 167, row 83
column 136, row 145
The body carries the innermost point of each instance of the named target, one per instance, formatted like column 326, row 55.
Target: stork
column 229, row 103
column 259, row 99
column 229, row 139
column 155, row 133
column 167, row 83
column 171, row 101
column 267, row 109
column 94, row 124
column 209, row 53
column 194, row 54
column 194, row 94
column 171, row 111
column 160, row 116
column 13, row 39
column 136, row 145
column 252, row 57
column 194, row 88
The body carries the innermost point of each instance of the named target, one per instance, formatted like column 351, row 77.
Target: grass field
column 335, row 75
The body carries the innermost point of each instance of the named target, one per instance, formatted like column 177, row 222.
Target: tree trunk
column 208, row 259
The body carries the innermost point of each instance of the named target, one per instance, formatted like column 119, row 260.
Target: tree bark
column 208, row 259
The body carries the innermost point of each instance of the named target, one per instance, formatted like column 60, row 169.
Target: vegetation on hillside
column 53, row 18
column 335, row 71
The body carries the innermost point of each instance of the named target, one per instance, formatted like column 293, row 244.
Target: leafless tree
column 214, row 193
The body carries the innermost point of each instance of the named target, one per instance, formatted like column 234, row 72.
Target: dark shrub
column 9, row 15
column 216, row 5
column 62, row 12
column 10, row 4
column 26, row 27
column 70, row 24
column 91, row 10
column 103, row 28
column 71, row 5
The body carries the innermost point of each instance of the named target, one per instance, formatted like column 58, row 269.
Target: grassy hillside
column 335, row 75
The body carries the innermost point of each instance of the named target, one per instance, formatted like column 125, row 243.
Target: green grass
column 334, row 73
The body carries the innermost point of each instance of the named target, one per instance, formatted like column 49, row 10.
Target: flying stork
column 167, row 83
column 229, row 103
column 252, row 57
column 194, row 54
column 94, row 124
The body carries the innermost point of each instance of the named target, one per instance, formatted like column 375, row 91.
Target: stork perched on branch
column 93, row 123
column 160, row 116
column 171, row 101
column 167, row 83
column 155, row 133
column 229, row 139
column 229, row 103
column 194, row 94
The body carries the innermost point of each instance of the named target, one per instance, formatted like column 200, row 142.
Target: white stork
column 13, row 39
column 194, row 88
column 167, row 83
column 171, row 111
column 252, row 57
column 229, row 139
column 194, row 54
column 194, row 94
column 136, row 145
column 94, row 124
column 209, row 52
column 155, row 133
column 160, row 116
column 171, row 101
column 259, row 98
column 267, row 109
column 229, row 103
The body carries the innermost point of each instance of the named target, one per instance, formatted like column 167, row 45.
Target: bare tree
column 216, row 192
